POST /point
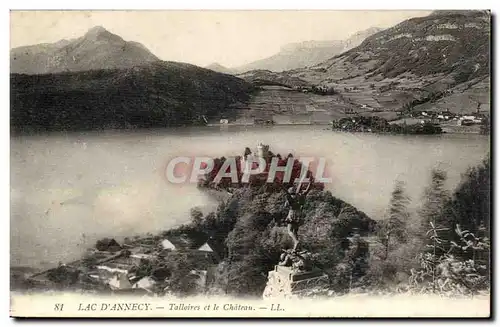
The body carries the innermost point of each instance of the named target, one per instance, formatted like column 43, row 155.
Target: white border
column 185, row 4
column 257, row 4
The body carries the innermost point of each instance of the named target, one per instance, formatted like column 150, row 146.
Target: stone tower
column 262, row 151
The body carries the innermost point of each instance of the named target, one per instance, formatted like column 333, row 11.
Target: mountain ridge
column 216, row 67
column 96, row 49
column 301, row 54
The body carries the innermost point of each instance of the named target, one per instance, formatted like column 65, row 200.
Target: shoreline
column 447, row 129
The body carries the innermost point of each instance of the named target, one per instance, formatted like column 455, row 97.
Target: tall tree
column 398, row 212
column 435, row 198
column 434, row 211
column 394, row 227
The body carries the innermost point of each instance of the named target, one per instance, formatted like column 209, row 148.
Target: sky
column 231, row 38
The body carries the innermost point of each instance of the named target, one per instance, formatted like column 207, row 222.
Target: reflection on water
column 69, row 190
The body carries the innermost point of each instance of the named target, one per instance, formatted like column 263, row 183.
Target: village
column 139, row 266
column 318, row 116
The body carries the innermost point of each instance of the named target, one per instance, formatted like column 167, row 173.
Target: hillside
column 216, row 67
column 158, row 94
column 267, row 77
column 97, row 49
column 441, row 58
column 308, row 53
column 439, row 62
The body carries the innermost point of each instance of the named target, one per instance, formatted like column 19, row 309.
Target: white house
column 120, row 282
column 205, row 248
column 146, row 283
column 167, row 245
column 113, row 269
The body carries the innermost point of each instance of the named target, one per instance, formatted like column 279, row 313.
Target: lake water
column 114, row 182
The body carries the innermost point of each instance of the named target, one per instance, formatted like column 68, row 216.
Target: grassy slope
column 155, row 95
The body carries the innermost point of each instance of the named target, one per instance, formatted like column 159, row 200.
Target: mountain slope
column 158, row 94
column 267, row 77
column 303, row 54
column 216, row 67
column 419, row 60
column 97, row 49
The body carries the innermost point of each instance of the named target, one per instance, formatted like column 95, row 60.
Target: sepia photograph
column 250, row 163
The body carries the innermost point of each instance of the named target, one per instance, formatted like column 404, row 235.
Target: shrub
column 448, row 273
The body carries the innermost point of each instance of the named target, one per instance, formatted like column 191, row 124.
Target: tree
column 435, row 201
column 196, row 216
column 485, row 126
column 183, row 281
column 470, row 204
column 456, row 256
column 470, row 209
column 434, row 220
column 394, row 228
column 247, row 260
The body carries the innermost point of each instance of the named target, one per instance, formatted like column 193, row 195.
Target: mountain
column 97, row 49
column 158, row 94
column 358, row 38
column 216, row 67
column 440, row 61
column 308, row 53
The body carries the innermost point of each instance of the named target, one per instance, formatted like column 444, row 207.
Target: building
column 262, row 150
column 167, row 245
column 108, row 244
column 119, row 282
column 146, row 283
column 205, row 248
column 263, row 121
column 202, row 250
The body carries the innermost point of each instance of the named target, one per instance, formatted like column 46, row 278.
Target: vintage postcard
column 250, row 163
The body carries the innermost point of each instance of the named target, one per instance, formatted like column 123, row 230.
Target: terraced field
column 287, row 106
